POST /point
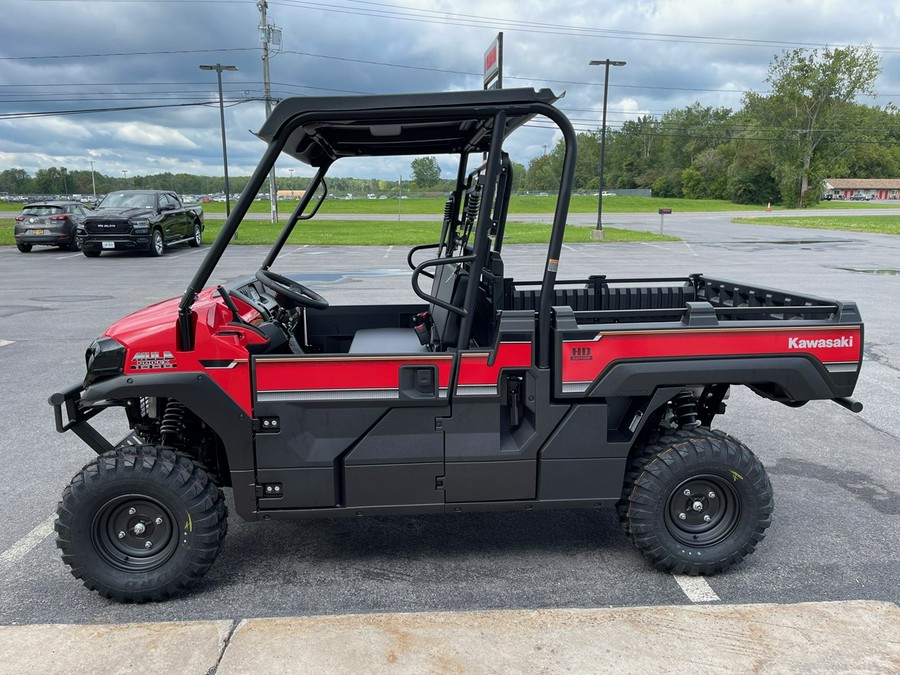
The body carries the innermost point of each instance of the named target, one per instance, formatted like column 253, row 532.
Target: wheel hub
column 702, row 510
column 135, row 533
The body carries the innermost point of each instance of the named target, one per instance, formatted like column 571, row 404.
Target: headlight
column 142, row 225
column 104, row 358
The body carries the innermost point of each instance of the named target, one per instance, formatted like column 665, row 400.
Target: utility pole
column 264, row 32
column 598, row 232
column 219, row 68
column 93, row 182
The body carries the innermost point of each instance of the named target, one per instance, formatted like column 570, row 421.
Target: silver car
column 49, row 224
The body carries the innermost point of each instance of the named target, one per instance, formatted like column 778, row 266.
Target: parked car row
column 126, row 220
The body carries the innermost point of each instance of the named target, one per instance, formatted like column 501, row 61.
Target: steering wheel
column 291, row 290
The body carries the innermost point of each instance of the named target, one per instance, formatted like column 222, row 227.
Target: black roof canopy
column 322, row 129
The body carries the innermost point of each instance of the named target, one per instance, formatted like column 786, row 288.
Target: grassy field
column 873, row 224
column 527, row 204
column 385, row 232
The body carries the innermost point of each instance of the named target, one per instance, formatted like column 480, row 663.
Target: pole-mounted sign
column 493, row 64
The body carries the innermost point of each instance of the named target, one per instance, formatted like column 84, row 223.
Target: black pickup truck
column 140, row 220
column 490, row 393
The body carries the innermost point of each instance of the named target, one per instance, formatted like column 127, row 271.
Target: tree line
column 778, row 147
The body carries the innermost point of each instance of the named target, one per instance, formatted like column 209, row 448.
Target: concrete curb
column 832, row 637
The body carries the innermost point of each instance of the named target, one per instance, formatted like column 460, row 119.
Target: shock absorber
column 172, row 423
column 684, row 406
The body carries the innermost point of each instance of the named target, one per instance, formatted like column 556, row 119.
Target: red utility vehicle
column 491, row 393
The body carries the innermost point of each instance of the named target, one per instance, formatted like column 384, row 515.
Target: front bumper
column 76, row 417
column 115, row 244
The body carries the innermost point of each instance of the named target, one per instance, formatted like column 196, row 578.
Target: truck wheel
column 74, row 245
column 91, row 254
column 701, row 503
column 140, row 523
column 23, row 247
column 157, row 244
column 197, row 239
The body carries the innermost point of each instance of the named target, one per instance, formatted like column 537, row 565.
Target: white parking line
column 697, row 589
column 70, row 255
column 388, row 252
column 20, row 549
column 3, row 343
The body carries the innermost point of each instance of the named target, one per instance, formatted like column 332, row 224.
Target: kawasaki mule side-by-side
column 491, row 393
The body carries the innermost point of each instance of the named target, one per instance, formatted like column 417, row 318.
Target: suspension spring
column 172, row 423
column 684, row 406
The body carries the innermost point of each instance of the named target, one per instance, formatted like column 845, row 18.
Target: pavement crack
column 227, row 641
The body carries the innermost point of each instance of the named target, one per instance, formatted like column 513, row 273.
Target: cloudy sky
column 117, row 82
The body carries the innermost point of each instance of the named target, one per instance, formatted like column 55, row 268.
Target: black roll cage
column 320, row 130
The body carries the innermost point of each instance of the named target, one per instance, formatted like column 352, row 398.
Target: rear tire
column 140, row 524
column 23, row 247
column 91, row 254
column 700, row 504
column 197, row 239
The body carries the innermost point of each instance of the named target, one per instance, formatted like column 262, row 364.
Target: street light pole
column 219, row 68
column 607, row 63
column 292, row 182
column 93, row 182
column 125, row 174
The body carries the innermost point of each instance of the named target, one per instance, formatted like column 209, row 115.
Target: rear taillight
column 62, row 217
column 19, row 219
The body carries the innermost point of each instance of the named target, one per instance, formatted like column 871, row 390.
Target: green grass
column 870, row 224
column 384, row 233
column 525, row 204
column 407, row 232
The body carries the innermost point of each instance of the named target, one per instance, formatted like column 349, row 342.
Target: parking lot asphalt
column 836, row 475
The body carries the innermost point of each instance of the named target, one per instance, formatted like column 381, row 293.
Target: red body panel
column 584, row 360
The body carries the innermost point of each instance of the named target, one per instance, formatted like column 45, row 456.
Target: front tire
column 140, row 524
column 157, row 244
column 90, row 254
column 23, row 247
column 700, row 504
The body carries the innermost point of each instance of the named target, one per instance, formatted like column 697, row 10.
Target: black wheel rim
column 135, row 533
column 703, row 510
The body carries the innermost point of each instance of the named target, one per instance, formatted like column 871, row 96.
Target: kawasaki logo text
column 797, row 343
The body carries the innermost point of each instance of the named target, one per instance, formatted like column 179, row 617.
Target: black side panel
column 494, row 481
column 312, row 435
column 331, row 330
column 581, row 479
column 393, row 484
column 403, row 435
column 298, row 488
column 797, row 377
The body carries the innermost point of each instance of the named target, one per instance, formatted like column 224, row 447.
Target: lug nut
column 148, row 544
column 706, row 519
column 682, row 516
column 131, row 511
column 158, row 521
column 712, row 495
column 121, row 535
column 687, row 493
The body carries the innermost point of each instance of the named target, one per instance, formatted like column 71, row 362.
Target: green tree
column 810, row 107
column 426, row 171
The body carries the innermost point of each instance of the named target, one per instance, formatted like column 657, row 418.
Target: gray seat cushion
column 386, row 341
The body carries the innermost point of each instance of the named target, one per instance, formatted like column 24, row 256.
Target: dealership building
column 862, row 188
